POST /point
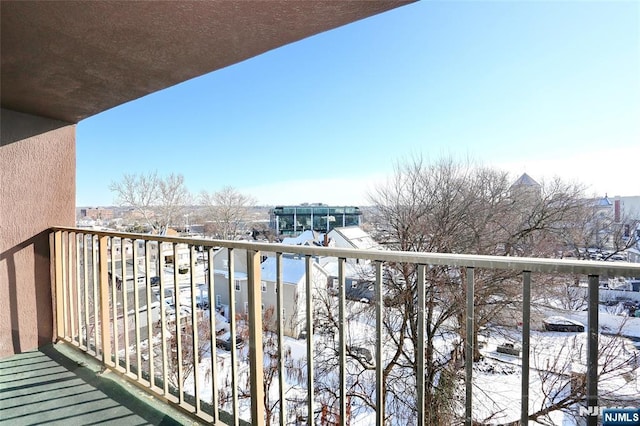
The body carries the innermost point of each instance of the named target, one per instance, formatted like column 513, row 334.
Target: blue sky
column 548, row 88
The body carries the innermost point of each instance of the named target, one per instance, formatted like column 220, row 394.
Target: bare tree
column 450, row 207
column 159, row 201
column 228, row 210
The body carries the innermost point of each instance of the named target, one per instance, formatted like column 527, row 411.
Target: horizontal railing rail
column 532, row 264
column 110, row 304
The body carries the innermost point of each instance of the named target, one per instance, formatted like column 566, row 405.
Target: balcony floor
column 56, row 385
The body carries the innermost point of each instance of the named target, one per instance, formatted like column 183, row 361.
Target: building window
column 237, row 285
column 218, row 300
column 264, row 286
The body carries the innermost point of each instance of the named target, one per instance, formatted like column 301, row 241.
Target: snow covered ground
column 555, row 357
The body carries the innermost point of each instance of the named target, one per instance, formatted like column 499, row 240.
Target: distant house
column 180, row 257
column 294, row 279
column 221, row 281
column 307, row 238
column 352, row 237
column 359, row 279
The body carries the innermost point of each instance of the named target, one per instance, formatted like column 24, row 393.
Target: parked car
column 508, row 348
column 202, row 302
column 558, row 323
column 224, row 341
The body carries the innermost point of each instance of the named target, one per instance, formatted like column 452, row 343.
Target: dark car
column 508, row 348
column 202, row 302
column 224, row 341
column 557, row 323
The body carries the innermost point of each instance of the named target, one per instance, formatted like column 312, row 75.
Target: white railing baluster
column 256, row 361
column 310, row 331
column 232, row 333
column 114, row 306
column 147, row 287
column 178, row 323
column 125, row 304
column 195, row 341
column 105, row 321
column 468, row 355
column 78, row 301
column 592, row 349
column 72, row 286
column 65, row 284
column 85, row 289
column 342, row 339
column 136, row 308
column 94, row 288
column 419, row 357
column 526, row 343
column 212, row 335
column 379, row 304
column 280, row 328
column 163, row 323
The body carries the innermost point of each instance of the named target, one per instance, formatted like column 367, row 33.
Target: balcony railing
column 109, row 304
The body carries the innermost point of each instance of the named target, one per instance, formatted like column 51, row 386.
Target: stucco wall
column 37, row 191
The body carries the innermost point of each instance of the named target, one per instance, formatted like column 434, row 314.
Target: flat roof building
column 292, row 220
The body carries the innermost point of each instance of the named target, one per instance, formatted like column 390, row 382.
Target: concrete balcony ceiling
column 69, row 60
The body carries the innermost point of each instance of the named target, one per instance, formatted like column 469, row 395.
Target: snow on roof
column 331, row 266
column 307, row 236
column 293, row 270
column 236, row 275
column 357, row 237
column 357, row 271
column 604, row 202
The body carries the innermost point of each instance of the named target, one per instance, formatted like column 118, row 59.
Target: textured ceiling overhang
column 69, row 60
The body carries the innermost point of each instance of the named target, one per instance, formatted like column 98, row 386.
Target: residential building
column 352, row 237
column 293, row 280
column 221, row 299
column 359, row 278
column 306, row 238
column 178, row 257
